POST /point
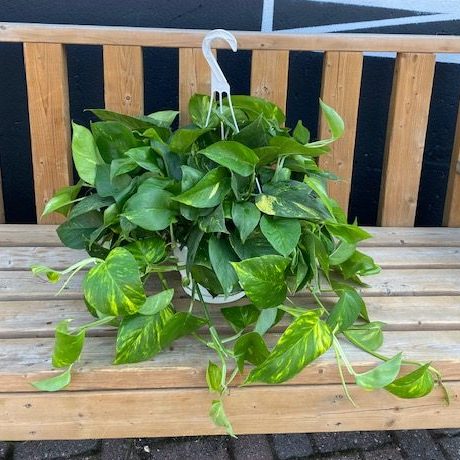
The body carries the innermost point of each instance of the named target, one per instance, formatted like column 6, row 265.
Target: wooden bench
column 417, row 294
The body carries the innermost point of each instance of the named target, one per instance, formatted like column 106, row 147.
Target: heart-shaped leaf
column 416, row 384
column 283, row 234
column 67, row 345
column 380, row 376
column 250, row 347
column 157, row 302
column 346, row 310
column 221, row 255
column 245, row 216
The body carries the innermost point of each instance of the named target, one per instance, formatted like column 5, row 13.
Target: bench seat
column 417, row 295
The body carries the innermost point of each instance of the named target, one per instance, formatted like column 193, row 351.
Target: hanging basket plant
column 248, row 215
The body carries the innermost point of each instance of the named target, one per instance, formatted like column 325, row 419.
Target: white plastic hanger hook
column 219, row 83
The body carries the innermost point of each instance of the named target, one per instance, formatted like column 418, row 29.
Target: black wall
column 161, row 81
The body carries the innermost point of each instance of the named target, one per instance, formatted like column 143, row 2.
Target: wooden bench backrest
column 48, row 97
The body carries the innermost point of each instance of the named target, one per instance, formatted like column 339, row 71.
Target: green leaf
column 113, row 139
column 291, row 199
column 198, row 107
column 157, row 302
column 214, row 222
column 255, row 106
column 256, row 245
column 250, row 347
column 139, row 336
column 140, row 123
column 145, row 158
column 341, row 253
column 283, row 234
column 416, row 384
column 245, row 216
column 233, row 155
column 305, row 339
column 114, row 287
column 182, row 139
column 380, row 376
column 56, row 383
column 351, row 234
column 85, row 153
column 150, row 208
column 346, row 310
column 62, row 200
column 367, row 336
column 180, row 324
column 67, row 345
column 90, row 203
column 300, row 133
column 221, row 255
column 219, row 418
column 267, row 318
column 107, row 186
column 359, row 264
column 255, row 134
column 333, row 119
column 209, row 191
column 263, row 279
column 74, row 233
column 164, row 118
column 214, row 377
column 53, row 276
column 121, row 166
column 287, row 146
column 241, row 317
column 148, row 251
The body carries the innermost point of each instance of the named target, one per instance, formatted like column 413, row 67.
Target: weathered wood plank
column 35, row 318
column 184, row 365
column 45, row 235
column 48, row 97
column 406, row 131
column 340, row 88
column 183, row 38
column 124, row 79
column 194, row 77
column 269, row 76
column 452, row 205
column 22, row 285
column 184, row 412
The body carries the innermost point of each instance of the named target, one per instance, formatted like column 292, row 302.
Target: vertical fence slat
column 269, row 76
column 405, row 141
column 124, row 79
column 452, row 204
column 340, row 88
column 48, row 97
column 194, row 77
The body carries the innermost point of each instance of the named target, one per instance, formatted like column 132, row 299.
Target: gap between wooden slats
column 2, row 209
column 269, row 76
column 48, row 97
column 452, row 205
column 405, row 141
column 124, row 79
column 194, row 77
column 341, row 85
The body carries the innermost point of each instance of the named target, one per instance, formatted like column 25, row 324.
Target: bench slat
column 184, row 365
column 269, row 76
column 48, row 98
column 34, row 318
column 405, row 141
column 194, row 77
column 452, row 205
column 341, row 85
column 22, row 258
column 124, row 79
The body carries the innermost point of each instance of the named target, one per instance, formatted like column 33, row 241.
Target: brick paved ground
column 391, row 445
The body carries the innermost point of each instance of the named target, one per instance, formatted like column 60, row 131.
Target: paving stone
column 116, row 449
column 47, row 450
column 387, row 453
column 347, row 456
column 196, row 448
column 418, row 444
column 4, row 449
column 452, row 447
column 342, row 441
column 292, row 445
column 253, row 447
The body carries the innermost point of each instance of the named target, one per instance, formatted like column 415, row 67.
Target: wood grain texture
column 269, row 76
column 183, row 412
column 194, row 77
column 48, row 98
column 405, row 141
column 340, row 88
column 183, row 38
column 124, row 79
column 452, row 205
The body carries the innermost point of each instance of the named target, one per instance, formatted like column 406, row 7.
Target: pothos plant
column 251, row 208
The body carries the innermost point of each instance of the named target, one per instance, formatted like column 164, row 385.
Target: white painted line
column 267, row 16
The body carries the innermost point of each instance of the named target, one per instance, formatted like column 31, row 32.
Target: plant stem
column 342, row 378
column 97, row 323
